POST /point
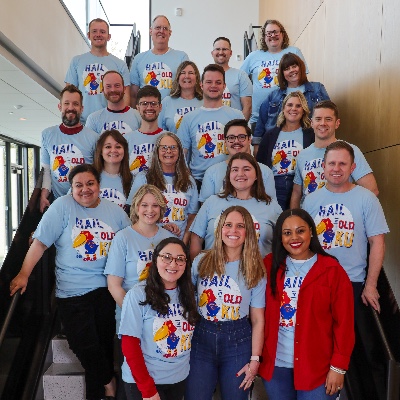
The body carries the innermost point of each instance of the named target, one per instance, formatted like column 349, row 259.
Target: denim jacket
column 271, row 107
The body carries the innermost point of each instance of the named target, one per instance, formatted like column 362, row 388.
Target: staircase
column 64, row 379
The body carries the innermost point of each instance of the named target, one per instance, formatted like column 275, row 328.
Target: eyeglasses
column 272, row 33
column 233, row 138
column 161, row 28
column 149, row 103
column 221, row 49
column 164, row 148
column 167, row 258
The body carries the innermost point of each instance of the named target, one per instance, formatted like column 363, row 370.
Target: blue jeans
column 219, row 351
column 281, row 387
column 284, row 188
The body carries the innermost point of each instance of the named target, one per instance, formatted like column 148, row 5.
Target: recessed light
column 18, row 106
column 22, row 119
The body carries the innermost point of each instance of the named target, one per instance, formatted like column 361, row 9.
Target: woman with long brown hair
column 227, row 342
column 111, row 159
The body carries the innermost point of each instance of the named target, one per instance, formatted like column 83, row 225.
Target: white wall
column 203, row 21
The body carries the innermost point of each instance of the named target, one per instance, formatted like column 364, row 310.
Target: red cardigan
column 324, row 332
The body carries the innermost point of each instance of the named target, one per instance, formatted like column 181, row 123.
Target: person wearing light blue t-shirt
column 169, row 172
column 186, row 95
column 157, row 66
column 262, row 65
column 201, row 131
column 244, row 187
column 158, row 319
column 230, row 286
column 86, row 70
column 81, row 226
column 65, row 146
column 238, row 90
column 348, row 217
column 309, row 175
column 237, row 136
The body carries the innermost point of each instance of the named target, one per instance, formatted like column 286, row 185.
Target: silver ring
column 338, row 387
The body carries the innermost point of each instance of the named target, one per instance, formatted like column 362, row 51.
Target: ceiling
column 39, row 107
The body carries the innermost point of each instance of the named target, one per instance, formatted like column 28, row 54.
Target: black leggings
column 173, row 391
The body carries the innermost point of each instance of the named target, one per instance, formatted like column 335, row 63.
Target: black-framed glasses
column 149, row 103
column 167, row 258
column 164, row 148
column 272, row 33
column 233, row 138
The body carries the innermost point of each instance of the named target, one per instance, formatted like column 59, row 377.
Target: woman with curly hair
column 230, row 284
column 186, row 95
column 157, row 326
column 168, row 171
column 280, row 146
column 243, row 187
column 309, row 318
column 262, row 65
column 111, row 159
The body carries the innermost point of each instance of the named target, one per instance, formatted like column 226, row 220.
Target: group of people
column 202, row 281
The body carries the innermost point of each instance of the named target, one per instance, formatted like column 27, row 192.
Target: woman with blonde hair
column 186, row 95
column 227, row 342
column 280, row 146
column 292, row 77
column 168, row 171
column 111, row 159
column 130, row 256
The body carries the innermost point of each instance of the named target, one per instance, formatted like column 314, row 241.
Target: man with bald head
column 157, row 66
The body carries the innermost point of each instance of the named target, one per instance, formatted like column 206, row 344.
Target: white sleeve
column 46, row 184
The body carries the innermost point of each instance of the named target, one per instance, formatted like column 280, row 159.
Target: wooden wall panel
column 353, row 48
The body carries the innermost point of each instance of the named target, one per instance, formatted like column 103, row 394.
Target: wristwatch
column 256, row 358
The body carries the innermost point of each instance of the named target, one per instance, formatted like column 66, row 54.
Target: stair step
column 64, row 382
column 61, row 351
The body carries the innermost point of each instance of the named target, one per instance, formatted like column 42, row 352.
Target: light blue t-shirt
column 111, row 188
column 179, row 204
column 344, row 223
column 124, row 121
column 264, row 216
column 130, row 258
column 165, row 340
column 238, row 85
column 202, row 133
column 173, row 110
column 157, row 70
column 86, row 72
column 63, row 152
column 287, row 147
column 263, row 67
column 141, row 147
column 226, row 297
column 310, row 174
column 214, row 180
column 296, row 271
column 82, row 237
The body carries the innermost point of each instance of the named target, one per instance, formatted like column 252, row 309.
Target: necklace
column 150, row 239
column 297, row 269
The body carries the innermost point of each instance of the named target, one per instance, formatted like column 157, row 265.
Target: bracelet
column 338, row 370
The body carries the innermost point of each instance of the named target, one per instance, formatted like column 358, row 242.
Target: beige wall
column 22, row 22
column 353, row 48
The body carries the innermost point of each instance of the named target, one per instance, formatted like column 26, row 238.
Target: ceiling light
column 18, row 106
column 22, row 119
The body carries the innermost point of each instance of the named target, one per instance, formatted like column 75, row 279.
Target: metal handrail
column 9, row 315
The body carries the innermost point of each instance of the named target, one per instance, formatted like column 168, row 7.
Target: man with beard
column 202, row 130
column 238, row 90
column 65, row 146
column 157, row 66
column 237, row 136
column 116, row 115
column 141, row 142
column 86, row 70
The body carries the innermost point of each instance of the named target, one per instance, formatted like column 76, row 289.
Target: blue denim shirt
column 271, row 107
